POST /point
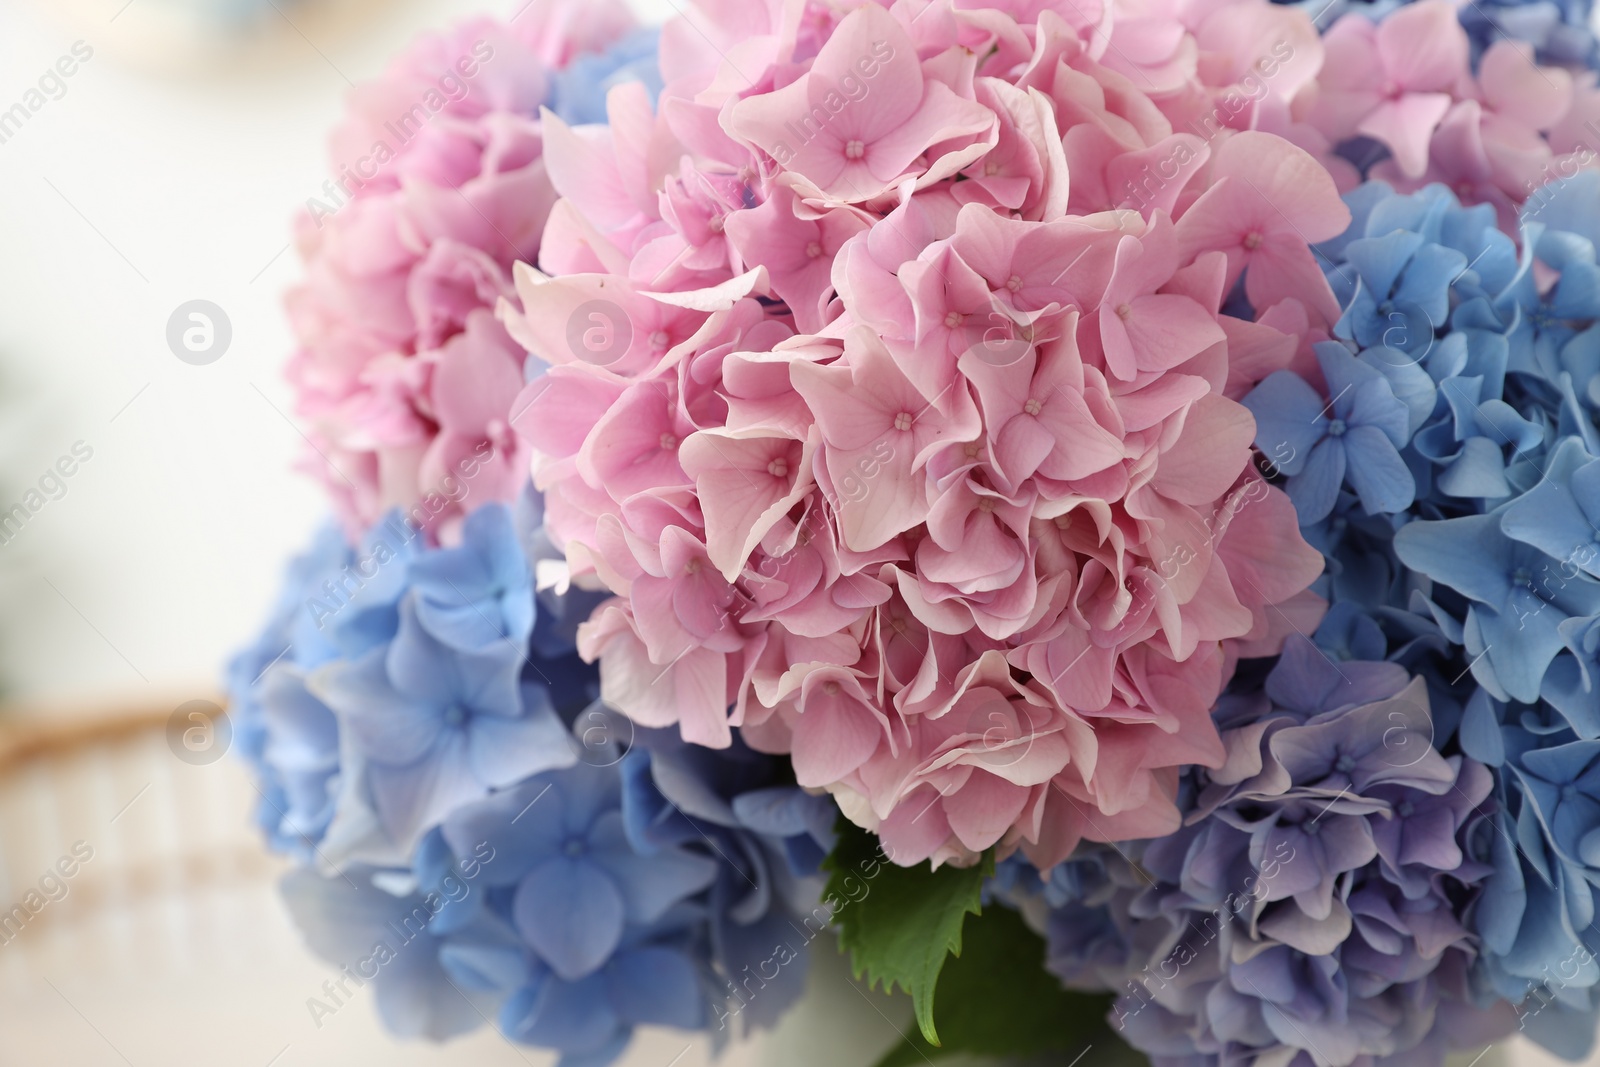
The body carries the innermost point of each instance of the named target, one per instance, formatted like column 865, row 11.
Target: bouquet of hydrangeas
column 1095, row 505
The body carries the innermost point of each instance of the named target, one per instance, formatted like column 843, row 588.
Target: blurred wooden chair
column 157, row 847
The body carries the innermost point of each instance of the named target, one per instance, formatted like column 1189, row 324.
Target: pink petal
column 1406, row 124
column 981, row 811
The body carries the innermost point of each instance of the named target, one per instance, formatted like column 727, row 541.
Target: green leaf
column 997, row 999
column 899, row 924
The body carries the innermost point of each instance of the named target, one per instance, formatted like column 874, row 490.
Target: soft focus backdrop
column 164, row 170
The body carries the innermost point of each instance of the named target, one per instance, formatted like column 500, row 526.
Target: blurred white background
column 167, row 172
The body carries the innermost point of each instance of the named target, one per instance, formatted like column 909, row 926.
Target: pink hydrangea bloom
column 404, row 375
column 1493, row 137
column 892, row 396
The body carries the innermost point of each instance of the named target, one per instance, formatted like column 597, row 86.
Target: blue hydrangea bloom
column 377, row 932
column 1492, row 403
column 430, row 745
column 1485, row 586
column 540, row 906
column 1561, row 31
column 1519, row 598
column 429, row 729
column 1537, row 913
column 336, row 602
column 575, row 881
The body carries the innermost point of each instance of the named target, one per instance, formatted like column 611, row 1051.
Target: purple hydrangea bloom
column 1315, row 907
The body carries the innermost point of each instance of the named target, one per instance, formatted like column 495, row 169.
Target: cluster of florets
column 907, row 454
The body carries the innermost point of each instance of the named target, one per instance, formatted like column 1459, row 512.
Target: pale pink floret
column 1394, row 80
column 1493, row 148
column 1493, row 137
column 839, row 145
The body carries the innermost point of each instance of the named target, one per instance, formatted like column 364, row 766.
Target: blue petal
column 1566, row 688
column 485, row 966
column 504, row 751
column 1504, row 896
column 1427, row 281
column 432, row 860
column 1410, row 384
column 1521, row 642
column 1315, row 489
column 681, row 776
column 417, row 1000
column 649, row 817
column 1288, row 419
column 1380, row 260
column 769, row 959
column 302, row 733
column 1469, row 555
column 386, row 724
column 481, row 593
column 780, row 811
column 1477, row 473
column 523, row 826
column 587, row 792
column 351, row 923
column 571, row 913
column 340, row 917
column 1567, row 1032
column 421, row 666
column 415, row 798
column 1480, row 731
column 572, row 1017
column 462, row 626
column 649, row 884
column 656, row 986
column 1376, row 472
